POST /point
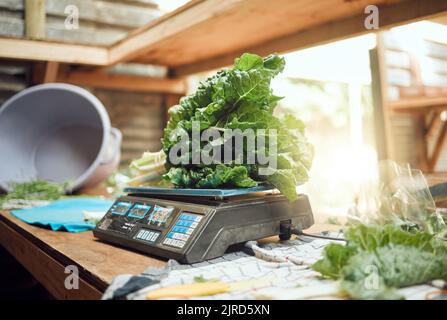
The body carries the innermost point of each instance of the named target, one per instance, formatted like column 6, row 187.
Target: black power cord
column 286, row 230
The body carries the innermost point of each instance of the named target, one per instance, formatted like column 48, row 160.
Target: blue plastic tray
column 218, row 193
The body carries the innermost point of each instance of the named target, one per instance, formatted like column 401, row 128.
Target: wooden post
column 438, row 147
column 421, row 142
column 51, row 71
column 35, row 17
column 382, row 125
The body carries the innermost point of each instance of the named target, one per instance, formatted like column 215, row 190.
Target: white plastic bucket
column 57, row 132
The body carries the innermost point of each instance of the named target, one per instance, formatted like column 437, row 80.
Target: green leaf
column 336, row 256
column 248, row 61
column 379, row 259
column 274, row 64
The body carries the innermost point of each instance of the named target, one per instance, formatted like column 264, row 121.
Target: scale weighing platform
column 193, row 225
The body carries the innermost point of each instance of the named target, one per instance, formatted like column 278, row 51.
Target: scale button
column 181, row 223
column 154, row 236
column 180, row 243
column 189, row 231
column 194, row 224
column 184, row 223
column 181, row 236
column 170, row 235
column 184, row 237
column 177, row 236
column 198, row 218
column 180, row 229
column 149, row 236
column 185, row 216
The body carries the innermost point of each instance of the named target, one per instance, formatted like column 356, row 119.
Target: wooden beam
column 51, row 71
column 433, row 124
column 193, row 13
column 124, row 82
column 382, row 124
column 35, row 19
column 390, row 16
column 200, row 35
column 52, row 51
column 421, row 103
column 421, row 143
column 438, row 146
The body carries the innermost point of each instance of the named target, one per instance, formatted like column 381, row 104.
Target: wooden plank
column 438, row 147
column 201, row 35
column 212, row 28
column 433, row 124
column 12, row 26
column 52, row 51
column 409, row 104
column 98, row 262
column 51, row 71
column 102, row 12
column 391, row 14
column 12, row 83
column 11, row 4
column 123, row 82
column 382, row 125
column 421, row 143
column 35, row 19
column 49, row 272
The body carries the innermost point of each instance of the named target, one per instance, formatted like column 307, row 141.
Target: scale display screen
column 160, row 216
column 139, row 210
column 120, row 208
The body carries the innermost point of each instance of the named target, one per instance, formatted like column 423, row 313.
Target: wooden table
column 46, row 254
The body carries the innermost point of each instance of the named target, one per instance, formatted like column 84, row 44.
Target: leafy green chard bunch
column 239, row 98
column 379, row 259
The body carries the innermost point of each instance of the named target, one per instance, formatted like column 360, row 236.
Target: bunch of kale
column 379, row 259
column 239, row 98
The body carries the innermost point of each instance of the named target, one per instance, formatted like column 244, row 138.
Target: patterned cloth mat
column 279, row 270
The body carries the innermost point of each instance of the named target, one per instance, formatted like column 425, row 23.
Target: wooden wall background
column 139, row 116
column 411, row 75
column 102, row 22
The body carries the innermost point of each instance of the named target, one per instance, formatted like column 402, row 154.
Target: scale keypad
column 147, row 235
column 182, row 230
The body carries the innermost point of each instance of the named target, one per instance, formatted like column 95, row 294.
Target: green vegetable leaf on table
column 378, row 259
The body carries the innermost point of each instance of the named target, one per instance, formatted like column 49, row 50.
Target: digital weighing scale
column 193, row 225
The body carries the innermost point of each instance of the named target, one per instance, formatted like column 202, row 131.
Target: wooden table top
column 46, row 253
column 98, row 262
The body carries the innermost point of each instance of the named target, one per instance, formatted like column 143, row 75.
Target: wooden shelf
column 206, row 34
column 210, row 34
column 124, row 82
column 418, row 104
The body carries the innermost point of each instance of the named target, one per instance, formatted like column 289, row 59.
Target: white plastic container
column 56, row 132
